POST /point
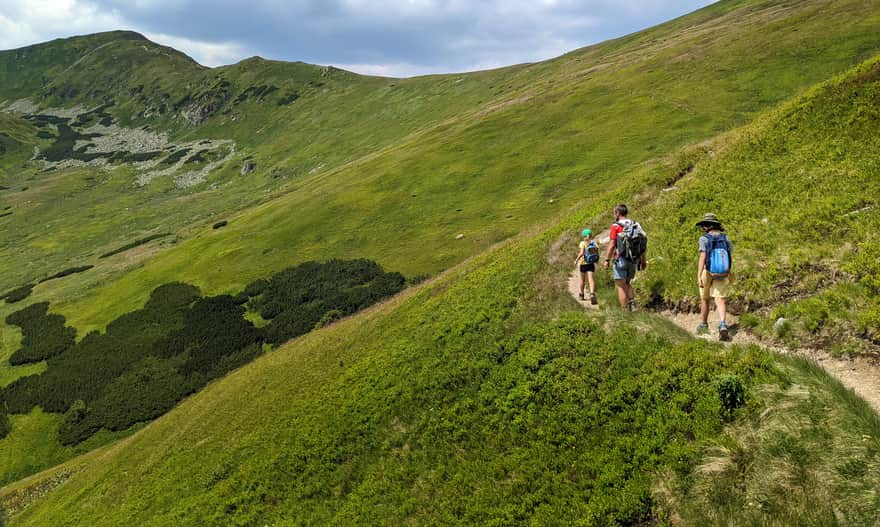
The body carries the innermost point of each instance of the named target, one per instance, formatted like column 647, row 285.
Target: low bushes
column 43, row 335
column 148, row 360
column 287, row 99
column 5, row 425
column 296, row 299
column 18, row 294
column 136, row 243
column 67, row 272
column 257, row 93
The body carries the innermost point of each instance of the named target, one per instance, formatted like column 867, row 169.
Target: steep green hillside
column 798, row 192
column 447, row 397
column 484, row 398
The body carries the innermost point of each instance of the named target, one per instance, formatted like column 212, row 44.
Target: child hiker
column 588, row 255
column 713, row 270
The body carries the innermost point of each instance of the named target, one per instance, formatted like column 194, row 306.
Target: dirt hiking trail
column 861, row 374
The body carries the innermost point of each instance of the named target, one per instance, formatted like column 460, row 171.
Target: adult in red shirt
column 624, row 270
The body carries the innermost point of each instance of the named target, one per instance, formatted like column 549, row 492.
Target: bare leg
column 592, row 283
column 583, row 281
column 721, row 305
column 622, row 293
column 630, row 294
column 704, row 310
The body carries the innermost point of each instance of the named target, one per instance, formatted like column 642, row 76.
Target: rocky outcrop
column 248, row 166
column 197, row 113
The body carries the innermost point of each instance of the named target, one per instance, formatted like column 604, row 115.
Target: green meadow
column 485, row 395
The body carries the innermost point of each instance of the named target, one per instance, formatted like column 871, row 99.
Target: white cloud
column 24, row 22
column 205, row 53
column 379, row 37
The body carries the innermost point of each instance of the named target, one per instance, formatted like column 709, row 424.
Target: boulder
column 248, row 166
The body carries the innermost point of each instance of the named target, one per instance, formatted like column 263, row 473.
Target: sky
column 397, row 38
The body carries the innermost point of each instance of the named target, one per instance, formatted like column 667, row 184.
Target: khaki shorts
column 714, row 288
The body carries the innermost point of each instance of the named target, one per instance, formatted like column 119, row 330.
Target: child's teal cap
column 586, row 232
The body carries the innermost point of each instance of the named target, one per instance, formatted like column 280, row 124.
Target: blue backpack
column 718, row 256
column 591, row 253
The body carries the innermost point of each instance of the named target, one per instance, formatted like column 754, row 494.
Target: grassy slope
column 410, row 383
column 869, row 22
column 584, row 121
column 798, row 193
column 339, row 116
column 486, row 397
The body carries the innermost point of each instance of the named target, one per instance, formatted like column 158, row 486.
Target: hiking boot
column 593, row 299
column 702, row 328
column 723, row 333
column 580, row 296
column 632, row 305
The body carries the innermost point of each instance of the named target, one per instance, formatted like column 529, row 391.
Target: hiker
column 588, row 255
column 628, row 248
column 713, row 270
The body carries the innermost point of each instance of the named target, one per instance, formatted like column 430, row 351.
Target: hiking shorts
column 624, row 269
column 588, row 268
column 713, row 288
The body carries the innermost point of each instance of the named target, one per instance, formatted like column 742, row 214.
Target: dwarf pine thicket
column 148, row 360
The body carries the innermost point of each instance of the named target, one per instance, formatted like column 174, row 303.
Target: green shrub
column 865, row 265
column 83, row 371
column 287, row 99
column 749, row 320
column 43, row 335
column 731, row 393
column 5, row 425
column 328, row 318
column 145, row 392
column 67, row 272
column 296, row 299
column 18, row 294
column 134, row 244
column 212, row 328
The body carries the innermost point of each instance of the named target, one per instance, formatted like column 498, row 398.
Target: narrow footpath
column 861, row 374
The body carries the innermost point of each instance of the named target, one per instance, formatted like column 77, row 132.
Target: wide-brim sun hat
column 586, row 232
column 710, row 220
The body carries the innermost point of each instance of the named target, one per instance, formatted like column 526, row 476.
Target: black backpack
column 632, row 242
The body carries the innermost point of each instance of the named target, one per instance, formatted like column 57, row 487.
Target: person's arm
column 610, row 252
column 580, row 254
column 700, row 266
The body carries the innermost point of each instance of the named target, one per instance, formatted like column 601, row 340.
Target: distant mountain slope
column 141, row 115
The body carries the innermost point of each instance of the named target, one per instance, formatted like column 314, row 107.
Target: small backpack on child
column 718, row 256
column 591, row 253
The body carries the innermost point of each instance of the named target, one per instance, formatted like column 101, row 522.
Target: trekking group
column 627, row 253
